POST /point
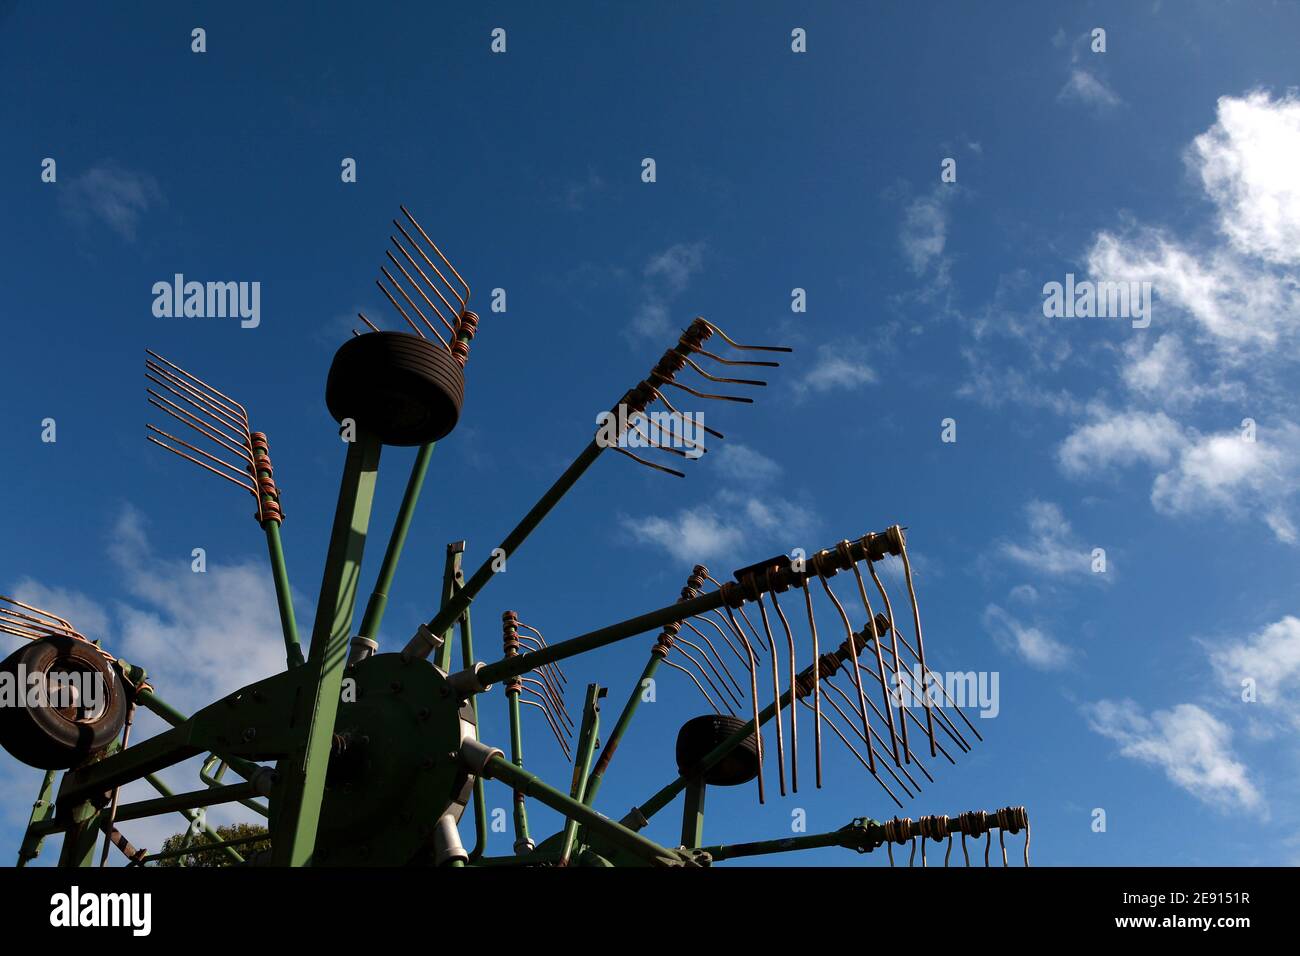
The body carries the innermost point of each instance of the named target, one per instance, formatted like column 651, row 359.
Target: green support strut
column 42, row 810
column 588, row 738
column 301, row 783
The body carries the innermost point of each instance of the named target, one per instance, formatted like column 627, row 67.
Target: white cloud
column 1270, row 658
column 1052, row 547
column 924, row 231
column 667, row 274
column 730, row 527
column 839, row 366
column 1121, row 439
column 1163, row 372
column 741, row 463
column 1190, row 745
column 1085, row 87
column 116, row 196
column 1031, row 644
column 1249, row 163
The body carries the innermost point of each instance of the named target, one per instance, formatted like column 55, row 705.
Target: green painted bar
column 587, row 737
column 42, row 811
column 378, row 603
column 693, row 813
column 620, row 728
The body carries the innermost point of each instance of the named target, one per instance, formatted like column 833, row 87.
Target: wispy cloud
column 839, row 366
column 1084, row 86
column 1270, row 660
column 1189, row 744
column 1031, row 644
column 1051, row 547
column 114, row 196
column 666, row 275
column 923, row 233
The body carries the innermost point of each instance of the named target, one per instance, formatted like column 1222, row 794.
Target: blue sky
column 1171, row 157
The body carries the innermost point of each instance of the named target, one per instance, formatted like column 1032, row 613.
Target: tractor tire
column 700, row 735
column 53, row 737
column 399, row 387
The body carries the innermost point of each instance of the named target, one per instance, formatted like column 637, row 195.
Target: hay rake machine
column 360, row 757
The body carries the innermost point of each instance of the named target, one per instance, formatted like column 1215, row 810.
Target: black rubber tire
column 403, row 389
column 51, row 738
column 700, row 735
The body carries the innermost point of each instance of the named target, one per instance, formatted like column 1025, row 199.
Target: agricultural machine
column 357, row 755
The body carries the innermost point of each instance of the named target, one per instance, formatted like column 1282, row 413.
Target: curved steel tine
column 558, row 739
column 542, row 638
column 718, row 628
column 416, row 286
column 1002, row 842
column 948, row 853
column 725, row 670
column 744, row 348
column 794, row 666
column 817, row 681
column 831, row 724
column 914, row 758
column 852, row 662
column 893, row 637
column 699, row 667
column 557, row 705
column 168, row 407
column 964, row 851
column 744, row 659
column 402, row 312
column 875, row 734
column 696, row 682
column 233, row 405
column 411, row 302
column 743, row 616
column 721, row 686
column 988, row 844
column 880, row 661
column 753, row 691
column 217, row 413
column 547, row 706
column 717, row 398
column 945, row 722
column 1026, row 842
column 853, row 726
column 407, row 256
column 672, row 408
column 369, row 324
column 406, row 212
column 724, row 381
column 40, row 612
column 649, row 464
column 911, row 857
column 673, row 434
column 753, row 363
column 225, row 464
column 634, row 426
column 776, row 690
column 920, row 641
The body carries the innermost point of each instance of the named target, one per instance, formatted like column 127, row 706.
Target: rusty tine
column 944, row 720
column 248, row 486
column 465, row 299
column 831, row 724
column 897, row 534
column 893, row 637
column 736, row 345
column 853, row 654
column 534, row 645
column 880, row 660
column 632, row 423
column 719, row 687
column 557, row 706
column 697, row 683
column 416, row 286
column 542, row 640
column 672, row 433
column 402, row 312
column 185, row 418
column 776, row 686
column 746, row 362
column 216, row 393
column 876, row 737
column 733, row 630
column 725, row 670
column 369, row 324
column 817, row 680
column 794, row 667
column 423, row 318
column 724, row 381
column 717, row 398
column 649, row 464
column 407, row 256
column 564, row 747
column 753, row 692
column 875, row 734
column 219, row 416
column 672, row 408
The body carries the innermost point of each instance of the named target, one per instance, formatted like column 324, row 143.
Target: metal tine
column 893, row 638
column 217, row 412
column 545, row 700
column 718, row 688
column 728, row 623
column 180, row 441
column 671, row 432
column 465, row 299
column 369, row 324
column 794, row 715
column 414, row 328
column 649, row 464
column 696, row 682
column 409, row 301
column 896, row 637
column 672, row 408
column 880, row 663
column 724, row 381
column 215, row 392
column 406, row 255
column 547, row 671
column 831, row 724
column 717, row 398
column 753, row 363
column 40, row 613
column 415, row 285
column 816, row 684
column 906, row 712
column 753, row 693
column 558, row 739
column 534, row 644
column 744, row 348
column 920, row 641
column 875, row 735
column 557, row 705
column 853, row 657
column 185, row 418
column 556, row 695
column 945, row 723
column 654, row 444
column 726, row 670
column 542, row 640
column 776, row 689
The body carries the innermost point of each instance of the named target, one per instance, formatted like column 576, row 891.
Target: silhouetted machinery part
column 399, row 387
column 66, row 703
column 698, row 738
